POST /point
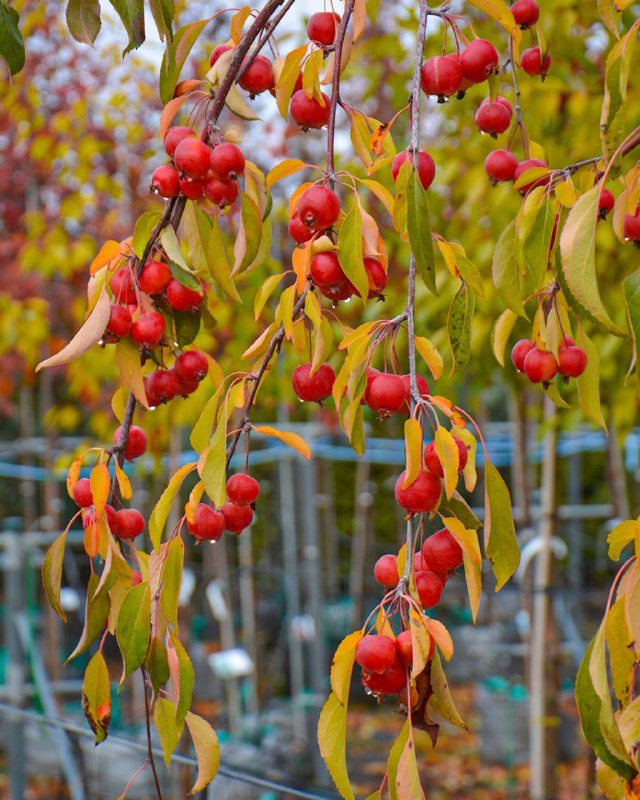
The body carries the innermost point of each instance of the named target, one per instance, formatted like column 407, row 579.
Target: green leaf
column 620, row 643
column 175, row 55
column 609, row 16
column 130, row 369
column 619, row 537
column 11, row 44
column 217, row 261
column 501, row 332
column 131, row 12
column 95, row 615
column 145, row 224
column 419, row 231
column 207, row 750
column 247, row 243
column 96, row 696
column 441, row 700
column 160, row 513
column 612, row 117
column 631, row 286
column 505, row 270
column 171, row 245
column 460, row 509
column 182, row 677
column 157, row 663
column 394, row 760
column 500, row 543
column 52, row 574
column 83, row 19
column 214, row 473
column 133, row 628
column 170, row 578
column 165, row 721
column 535, row 246
column 577, row 272
column 407, row 778
column 187, row 326
column 332, row 740
column 288, row 78
column 350, row 250
column 589, row 382
column 459, row 326
column 342, row 666
column 163, row 12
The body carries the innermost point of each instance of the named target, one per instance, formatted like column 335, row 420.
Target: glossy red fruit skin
column 192, row 158
column 375, row 653
column 109, row 512
column 154, row 277
column 119, row 324
column 631, row 226
column 500, row 165
column 191, row 366
column 82, row 493
column 182, row 298
column 479, row 60
column 122, row 286
column 326, row 272
column 430, row 587
column 318, row 208
column 242, row 489
column 308, row 112
column 404, row 648
column 441, row 552
column 162, row 386
column 165, row 181
column 187, row 388
column 218, row 51
column 193, row 190
column 208, row 525
column 530, row 163
column 426, row 167
column 572, row 361
column 221, row 192
column 298, row 231
column 385, row 571
column 174, row 136
column 130, row 523
column 421, row 496
column 313, row 388
column 227, row 161
column 531, row 62
column 605, row 203
column 376, row 275
column 136, row 443
column 236, row 518
column 520, row 351
column 385, row 394
column 258, row 77
column 540, row 366
column 432, row 462
column 494, row 118
column 441, row 76
column 322, row 28
column 463, row 453
column 525, row 12
column 147, row 331
column 391, row 681
column 343, row 292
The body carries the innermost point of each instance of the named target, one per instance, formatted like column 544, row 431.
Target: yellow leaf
column 466, row 538
column 501, row 333
column 469, row 472
column 205, row 742
column 130, row 368
column 420, row 641
column 619, row 537
column 431, row 356
column 332, row 741
column 282, row 170
column 72, row 475
column 440, row 635
column 566, row 193
column 412, row 450
column 359, row 18
column 447, row 452
column 292, row 439
column 124, row 484
column 237, row 23
column 342, row 666
column 100, row 485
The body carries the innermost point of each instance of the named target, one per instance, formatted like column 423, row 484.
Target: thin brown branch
column 265, row 36
column 335, row 88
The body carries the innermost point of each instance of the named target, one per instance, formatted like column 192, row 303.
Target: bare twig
column 335, row 87
column 150, row 755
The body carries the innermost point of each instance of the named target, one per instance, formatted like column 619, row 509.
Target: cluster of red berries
column 183, row 378
column 386, row 662
column 387, row 393
column 541, row 366
column 234, row 516
column 257, row 78
column 199, row 171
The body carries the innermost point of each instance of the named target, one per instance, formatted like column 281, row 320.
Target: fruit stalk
column 516, row 102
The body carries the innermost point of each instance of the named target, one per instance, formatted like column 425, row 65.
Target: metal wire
column 227, row 772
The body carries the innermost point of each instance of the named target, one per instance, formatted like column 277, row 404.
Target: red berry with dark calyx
column 631, row 226
column 606, row 203
column 130, row 523
column 242, row 489
column 430, row 587
column 526, row 13
column 258, row 77
column 344, row 292
column 219, row 50
column 500, row 165
column 572, row 361
column 82, row 493
column 479, row 60
column 426, row 167
column 520, row 351
column 441, row 76
column 154, row 277
column 182, row 298
column 385, row 394
column 191, row 366
column 192, row 158
column 227, row 161
column 531, row 62
column 326, row 272
column 385, row 571
column 208, row 524
column 162, row 386
column 313, row 388
column 119, row 324
column 187, row 388
column 540, row 366
column 322, row 28
column 376, row 276
column 318, row 208
column 375, row 653
column 136, row 442
column 466, row 83
column 421, row 496
column 236, row 518
column 165, row 181
column 147, row 331
column 441, row 552
column 221, row 192
column 531, row 163
column 174, row 136
column 298, row 231
column 494, row 118
column 308, row 112
column 193, row 189
column 391, row 681
column 122, row 286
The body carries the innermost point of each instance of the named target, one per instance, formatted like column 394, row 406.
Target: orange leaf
column 92, row 540
column 107, row 252
column 292, row 439
column 301, row 260
column 184, row 87
column 100, row 485
column 72, row 475
column 169, row 112
column 377, row 140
